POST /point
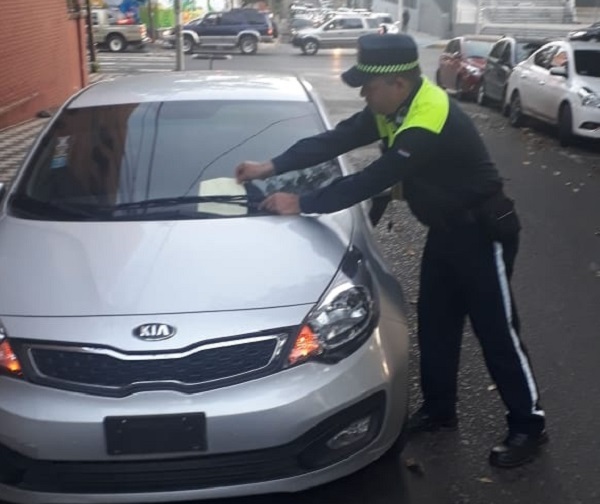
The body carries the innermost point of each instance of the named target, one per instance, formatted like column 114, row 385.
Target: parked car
column 504, row 56
column 462, row 62
column 108, row 32
column 338, row 33
column 163, row 339
column 242, row 28
column 559, row 84
column 297, row 24
column 592, row 32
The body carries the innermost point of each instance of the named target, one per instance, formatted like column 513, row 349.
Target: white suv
column 559, row 84
column 338, row 33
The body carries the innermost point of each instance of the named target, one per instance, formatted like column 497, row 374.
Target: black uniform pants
column 466, row 273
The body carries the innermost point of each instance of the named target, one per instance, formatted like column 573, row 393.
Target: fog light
column 354, row 433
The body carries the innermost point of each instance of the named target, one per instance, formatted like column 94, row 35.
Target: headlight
column 589, row 98
column 9, row 363
column 343, row 319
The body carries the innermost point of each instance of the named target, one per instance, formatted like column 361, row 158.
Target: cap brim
column 355, row 77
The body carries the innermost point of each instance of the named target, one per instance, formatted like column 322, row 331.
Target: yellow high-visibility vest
column 428, row 110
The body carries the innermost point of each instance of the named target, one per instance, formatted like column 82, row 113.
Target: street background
column 556, row 284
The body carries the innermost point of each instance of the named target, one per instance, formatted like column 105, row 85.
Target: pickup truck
column 115, row 35
column 340, row 32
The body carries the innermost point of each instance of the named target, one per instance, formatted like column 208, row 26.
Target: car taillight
column 9, row 363
column 270, row 31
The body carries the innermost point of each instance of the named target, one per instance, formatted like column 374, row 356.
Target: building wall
column 42, row 57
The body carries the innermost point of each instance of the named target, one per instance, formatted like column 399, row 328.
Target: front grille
column 108, row 372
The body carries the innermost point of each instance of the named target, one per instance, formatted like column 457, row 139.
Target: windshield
column 526, row 49
column 587, row 63
column 477, row 49
column 96, row 159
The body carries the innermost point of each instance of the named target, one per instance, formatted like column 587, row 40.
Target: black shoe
column 517, row 449
column 422, row 421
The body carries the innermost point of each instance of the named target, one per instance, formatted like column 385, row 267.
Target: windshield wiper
column 239, row 200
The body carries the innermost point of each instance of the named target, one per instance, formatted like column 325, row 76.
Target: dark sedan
column 504, row 56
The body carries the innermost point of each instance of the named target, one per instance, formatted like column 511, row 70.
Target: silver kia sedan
column 163, row 339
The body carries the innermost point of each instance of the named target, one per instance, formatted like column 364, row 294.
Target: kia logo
column 154, row 332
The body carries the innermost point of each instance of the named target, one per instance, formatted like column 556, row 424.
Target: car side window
column 211, row 20
column 256, row 18
column 506, row 56
column 497, row 50
column 95, row 18
column 560, row 59
column 543, row 58
column 456, row 47
column 232, row 18
column 352, row 24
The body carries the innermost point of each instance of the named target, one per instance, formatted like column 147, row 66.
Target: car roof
column 198, row 85
column 481, row 38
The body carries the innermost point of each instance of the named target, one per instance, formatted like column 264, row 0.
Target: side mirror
column 560, row 71
column 2, row 189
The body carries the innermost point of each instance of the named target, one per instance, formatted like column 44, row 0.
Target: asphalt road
column 557, row 287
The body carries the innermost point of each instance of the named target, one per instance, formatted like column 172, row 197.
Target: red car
column 462, row 63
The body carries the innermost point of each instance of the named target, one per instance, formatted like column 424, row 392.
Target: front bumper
column 264, row 436
column 586, row 122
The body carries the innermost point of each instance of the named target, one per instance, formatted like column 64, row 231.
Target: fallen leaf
column 413, row 466
column 492, row 387
column 526, row 162
column 485, row 480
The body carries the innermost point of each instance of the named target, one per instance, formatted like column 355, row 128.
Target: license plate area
column 144, row 435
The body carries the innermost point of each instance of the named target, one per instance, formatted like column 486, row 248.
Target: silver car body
column 161, row 291
column 340, row 32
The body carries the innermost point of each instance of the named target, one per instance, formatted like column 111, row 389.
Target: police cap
column 380, row 55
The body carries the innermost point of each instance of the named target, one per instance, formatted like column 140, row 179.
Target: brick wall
column 42, row 57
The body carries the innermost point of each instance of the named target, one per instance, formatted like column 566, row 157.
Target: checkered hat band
column 385, row 69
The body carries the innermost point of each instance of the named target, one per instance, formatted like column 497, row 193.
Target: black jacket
column 444, row 175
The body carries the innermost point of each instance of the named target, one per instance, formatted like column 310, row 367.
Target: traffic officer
column 452, row 187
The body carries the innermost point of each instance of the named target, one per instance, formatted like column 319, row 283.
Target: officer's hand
column 282, row 203
column 250, row 170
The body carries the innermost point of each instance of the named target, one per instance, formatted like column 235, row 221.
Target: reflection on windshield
column 477, row 49
column 110, row 155
column 587, row 63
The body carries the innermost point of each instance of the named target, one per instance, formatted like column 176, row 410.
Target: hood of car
column 184, row 266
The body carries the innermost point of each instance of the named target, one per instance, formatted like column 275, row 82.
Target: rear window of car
column 104, row 156
column 587, row 63
column 526, row 49
column 477, row 49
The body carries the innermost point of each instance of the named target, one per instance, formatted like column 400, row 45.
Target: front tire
column 188, row 44
column 460, row 95
column 516, row 116
column 116, row 43
column 310, row 47
column 482, row 98
column 248, row 45
column 565, row 125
